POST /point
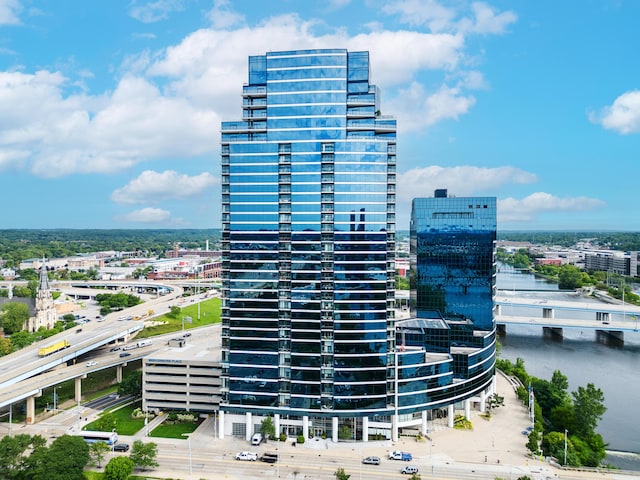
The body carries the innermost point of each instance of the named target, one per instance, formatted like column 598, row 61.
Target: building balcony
column 254, row 91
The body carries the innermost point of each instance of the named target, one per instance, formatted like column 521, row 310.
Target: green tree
column 533, row 444
column 65, row 459
column 13, row 316
column 341, row 474
column 570, row 277
column 174, row 311
column 267, row 428
column 12, row 453
column 21, row 339
column 588, row 408
column 6, row 347
column 118, row 468
column 98, row 452
column 144, row 454
column 131, row 384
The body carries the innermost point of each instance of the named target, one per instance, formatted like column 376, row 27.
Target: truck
column 269, row 457
column 140, row 344
column 53, row 348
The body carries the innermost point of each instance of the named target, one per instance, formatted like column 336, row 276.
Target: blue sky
column 110, row 111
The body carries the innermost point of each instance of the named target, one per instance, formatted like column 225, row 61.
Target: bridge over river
column 608, row 321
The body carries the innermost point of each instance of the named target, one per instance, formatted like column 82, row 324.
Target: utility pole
column 565, row 446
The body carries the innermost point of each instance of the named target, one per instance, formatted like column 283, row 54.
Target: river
column 583, row 360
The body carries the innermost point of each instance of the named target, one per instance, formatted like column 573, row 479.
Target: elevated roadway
column 24, row 373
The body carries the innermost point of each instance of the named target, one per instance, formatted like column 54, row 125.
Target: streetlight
column 55, row 397
column 565, row 446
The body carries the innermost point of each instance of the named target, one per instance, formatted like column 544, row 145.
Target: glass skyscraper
column 309, row 334
column 308, row 242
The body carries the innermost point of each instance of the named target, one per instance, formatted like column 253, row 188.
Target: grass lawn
column 175, row 430
column 120, row 419
column 209, row 314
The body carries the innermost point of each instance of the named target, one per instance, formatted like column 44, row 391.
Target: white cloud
column 150, row 12
column 422, row 12
column 168, row 104
column 154, row 187
column 459, row 181
column 221, row 15
column 421, row 109
column 486, row 20
column 482, row 18
column 147, row 216
column 103, row 134
column 529, row 208
column 623, row 116
column 9, row 10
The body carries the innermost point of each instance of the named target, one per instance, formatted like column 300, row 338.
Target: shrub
column 300, row 439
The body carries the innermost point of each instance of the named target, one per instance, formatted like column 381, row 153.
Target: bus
column 110, row 438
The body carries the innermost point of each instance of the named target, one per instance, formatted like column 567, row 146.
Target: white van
column 256, row 439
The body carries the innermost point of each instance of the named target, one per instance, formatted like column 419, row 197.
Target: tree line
column 17, row 245
column 561, row 416
column 26, row 456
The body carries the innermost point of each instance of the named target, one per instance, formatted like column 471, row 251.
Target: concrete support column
column 450, row 414
column 394, row 428
column 425, row 425
column 119, row 373
column 78, row 389
column 483, row 401
column 498, row 310
column 31, row 410
column 248, row 427
column 305, row 427
column 276, row 424
column 467, row 409
column 220, row 424
column 365, row 429
column 334, row 429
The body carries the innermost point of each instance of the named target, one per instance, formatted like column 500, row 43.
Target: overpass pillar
column 552, row 332
column 501, row 329
column 31, row 408
column 78, row 388
column 548, row 312
column 498, row 309
column 119, row 374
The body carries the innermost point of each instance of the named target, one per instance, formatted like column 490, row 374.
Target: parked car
column 410, row 469
column 371, row 460
column 398, row 455
column 121, row 447
column 256, row 439
column 248, row 456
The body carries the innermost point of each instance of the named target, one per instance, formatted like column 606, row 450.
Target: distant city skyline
column 110, row 111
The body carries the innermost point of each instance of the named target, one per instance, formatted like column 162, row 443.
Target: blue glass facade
column 308, row 240
column 450, row 344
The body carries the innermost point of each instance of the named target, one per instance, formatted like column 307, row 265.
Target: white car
column 91, row 364
column 249, row 456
